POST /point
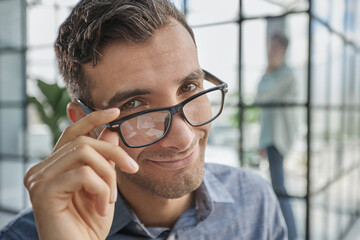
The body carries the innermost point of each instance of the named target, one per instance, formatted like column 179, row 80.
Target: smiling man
column 131, row 166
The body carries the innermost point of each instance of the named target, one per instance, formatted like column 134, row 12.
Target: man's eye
column 188, row 87
column 131, row 104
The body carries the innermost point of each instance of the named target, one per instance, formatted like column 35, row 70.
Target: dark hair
column 281, row 38
column 93, row 23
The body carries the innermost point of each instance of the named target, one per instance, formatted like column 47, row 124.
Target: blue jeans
column 276, row 163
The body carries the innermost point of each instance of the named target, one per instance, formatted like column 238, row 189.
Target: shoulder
column 255, row 203
column 237, row 175
column 21, row 227
column 242, row 184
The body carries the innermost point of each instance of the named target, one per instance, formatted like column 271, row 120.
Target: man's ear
column 75, row 112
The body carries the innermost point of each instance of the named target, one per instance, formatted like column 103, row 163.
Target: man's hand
column 73, row 191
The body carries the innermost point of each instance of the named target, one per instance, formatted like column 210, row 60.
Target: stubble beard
column 174, row 185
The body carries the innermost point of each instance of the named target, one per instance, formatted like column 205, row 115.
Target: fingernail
column 110, row 110
column 114, row 194
column 133, row 164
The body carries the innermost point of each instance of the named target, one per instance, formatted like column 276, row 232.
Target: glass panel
column 321, row 9
column 320, row 65
column 266, row 141
column 223, row 139
column 211, row 11
column 11, row 23
column 251, row 136
column 41, row 64
column 297, row 29
column 319, row 149
column 318, row 216
column 357, row 23
column 11, row 128
column 348, row 207
column 63, row 11
column 353, row 191
column 253, row 8
column 351, row 16
column 218, row 53
column 41, row 29
column 11, row 180
column 253, row 57
column 343, row 200
column 11, row 77
column 336, row 74
column 263, row 79
column 349, row 82
column 67, row 3
column 38, row 137
column 299, row 209
column 335, row 141
column 334, row 215
column 357, row 78
column 337, row 15
column 351, row 139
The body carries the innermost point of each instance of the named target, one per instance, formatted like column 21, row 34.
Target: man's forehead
column 173, row 37
column 170, row 54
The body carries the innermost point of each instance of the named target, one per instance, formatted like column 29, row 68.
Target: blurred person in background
column 133, row 67
column 278, row 124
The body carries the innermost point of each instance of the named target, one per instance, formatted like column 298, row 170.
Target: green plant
column 249, row 115
column 51, row 106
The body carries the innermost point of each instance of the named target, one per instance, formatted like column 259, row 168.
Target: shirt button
column 171, row 237
column 138, row 227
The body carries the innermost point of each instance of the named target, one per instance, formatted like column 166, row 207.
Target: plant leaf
column 52, row 92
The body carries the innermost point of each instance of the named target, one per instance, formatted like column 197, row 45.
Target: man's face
column 276, row 54
column 152, row 75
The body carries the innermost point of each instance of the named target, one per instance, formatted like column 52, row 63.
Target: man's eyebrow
column 197, row 74
column 122, row 96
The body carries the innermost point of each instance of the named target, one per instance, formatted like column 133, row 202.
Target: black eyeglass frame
column 178, row 108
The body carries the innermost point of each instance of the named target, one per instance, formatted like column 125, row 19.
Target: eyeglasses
column 150, row 126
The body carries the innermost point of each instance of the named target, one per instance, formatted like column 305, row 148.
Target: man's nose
column 180, row 136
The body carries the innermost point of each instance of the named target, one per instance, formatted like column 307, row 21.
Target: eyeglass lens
column 148, row 128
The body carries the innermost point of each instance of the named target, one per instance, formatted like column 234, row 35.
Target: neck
column 153, row 210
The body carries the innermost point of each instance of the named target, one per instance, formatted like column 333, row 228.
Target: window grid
column 344, row 168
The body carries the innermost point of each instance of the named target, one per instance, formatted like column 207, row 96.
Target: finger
column 83, row 178
column 83, row 155
column 110, row 137
column 87, row 124
column 107, row 150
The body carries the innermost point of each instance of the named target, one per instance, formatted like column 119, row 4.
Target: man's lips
column 176, row 163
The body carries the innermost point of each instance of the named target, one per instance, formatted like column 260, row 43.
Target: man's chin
column 171, row 184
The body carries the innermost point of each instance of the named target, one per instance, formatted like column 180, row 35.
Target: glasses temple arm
column 88, row 110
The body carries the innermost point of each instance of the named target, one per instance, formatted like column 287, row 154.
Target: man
column 278, row 125
column 133, row 67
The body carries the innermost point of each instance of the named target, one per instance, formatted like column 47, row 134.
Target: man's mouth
column 177, row 163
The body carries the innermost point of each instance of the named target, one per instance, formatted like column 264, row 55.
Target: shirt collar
column 210, row 191
column 122, row 215
column 216, row 191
